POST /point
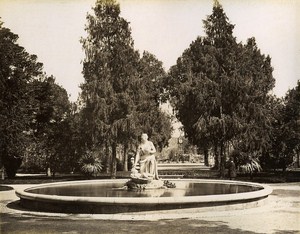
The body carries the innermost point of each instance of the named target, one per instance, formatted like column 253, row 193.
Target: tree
column 219, row 89
column 17, row 70
column 33, row 109
column 146, row 114
column 286, row 132
column 120, row 92
column 271, row 156
column 151, row 118
column 109, row 68
column 49, row 134
column 292, row 124
column 53, row 130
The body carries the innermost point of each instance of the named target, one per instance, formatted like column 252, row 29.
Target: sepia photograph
column 150, row 116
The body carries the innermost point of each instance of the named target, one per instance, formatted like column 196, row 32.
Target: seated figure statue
column 146, row 159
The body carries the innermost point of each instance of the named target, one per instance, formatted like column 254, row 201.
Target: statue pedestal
column 140, row 180
column 143, row 183
column 155, row 184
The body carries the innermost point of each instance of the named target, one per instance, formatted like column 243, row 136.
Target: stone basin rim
column 234, row 197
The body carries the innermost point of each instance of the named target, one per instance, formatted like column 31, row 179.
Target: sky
column 51, row 29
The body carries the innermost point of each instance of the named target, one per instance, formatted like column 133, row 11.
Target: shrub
column 90, row 163
column 252, row 165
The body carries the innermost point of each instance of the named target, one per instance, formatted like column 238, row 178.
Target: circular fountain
column 109, row 196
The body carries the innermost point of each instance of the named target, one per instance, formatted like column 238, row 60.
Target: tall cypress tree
column 120, row 92
column 219, row 89
column 108, row 69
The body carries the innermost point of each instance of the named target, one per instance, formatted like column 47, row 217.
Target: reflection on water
column 183, row 188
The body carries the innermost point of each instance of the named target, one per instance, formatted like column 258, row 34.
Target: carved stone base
column 155, row 184
column 142, row 184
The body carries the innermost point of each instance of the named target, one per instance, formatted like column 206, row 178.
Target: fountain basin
column 107, row 196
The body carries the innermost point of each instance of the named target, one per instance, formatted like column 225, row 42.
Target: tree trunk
column 223, row 160
column 2, row 173
column 217, row 161
column 206, row 156
column 125, row 164
column 107, row 158
column 114, row 161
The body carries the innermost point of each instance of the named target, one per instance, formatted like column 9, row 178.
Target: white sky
column 51, row 29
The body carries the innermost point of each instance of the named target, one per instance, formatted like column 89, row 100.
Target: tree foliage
column 18, row 69
column 119, row 93
column 52, row 128
column 292, row 123
column 33, row 109
column 108, row 68
column 219, row 89
column 285, row 143
column 150, row 118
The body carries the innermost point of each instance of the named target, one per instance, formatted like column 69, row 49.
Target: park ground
column 279, row 213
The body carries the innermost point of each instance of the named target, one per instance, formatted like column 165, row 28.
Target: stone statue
column 146, row 159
